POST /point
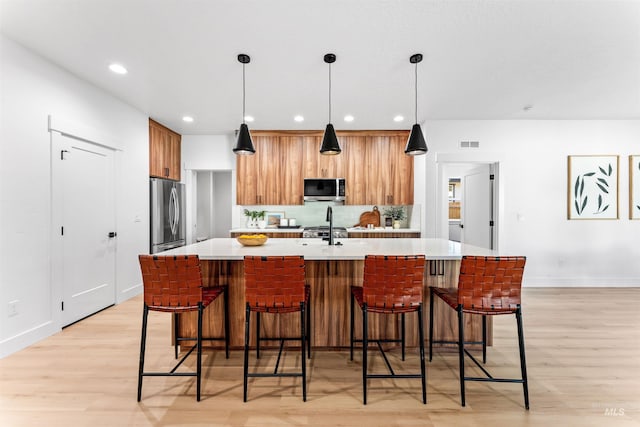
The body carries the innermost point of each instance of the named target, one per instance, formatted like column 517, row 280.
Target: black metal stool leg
column 143, row 344
column 365, row 345
column 430, row 324
column 484, row 338
column 303, row 333
column 257, row 335
column 523, row 361
column 199, row 349
column 246, row 352
column 308, row 328
column 176, row 332
column 403, row 336
column 422, row 367
column 461, row 352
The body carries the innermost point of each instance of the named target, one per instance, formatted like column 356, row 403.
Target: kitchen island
column 330, row 271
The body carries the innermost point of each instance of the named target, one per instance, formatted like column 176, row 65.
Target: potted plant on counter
column 255, row 219
column 396, row 213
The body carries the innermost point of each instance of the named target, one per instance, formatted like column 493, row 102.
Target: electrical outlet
column 13, row 308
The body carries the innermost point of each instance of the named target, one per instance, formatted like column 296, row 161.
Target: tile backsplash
column 314, row 213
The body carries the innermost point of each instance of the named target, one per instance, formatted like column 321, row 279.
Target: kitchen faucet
column 330, row 219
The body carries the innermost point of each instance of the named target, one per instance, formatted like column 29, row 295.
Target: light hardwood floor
column 583, row 357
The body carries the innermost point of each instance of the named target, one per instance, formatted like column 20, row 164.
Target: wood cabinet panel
column 273, row 175
column 164, row 152
column 393, row 235
column 317, row 165
column 376, row 170
column 272, row 235
column 330, row 283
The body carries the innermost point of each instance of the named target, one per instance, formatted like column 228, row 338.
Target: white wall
column 31, row 90
column 533, row 179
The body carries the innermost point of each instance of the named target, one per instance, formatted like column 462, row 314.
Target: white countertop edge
column 318, row 250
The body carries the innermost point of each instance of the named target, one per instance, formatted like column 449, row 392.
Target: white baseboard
column 581, row 282
column 130, row 292
column 26, row 338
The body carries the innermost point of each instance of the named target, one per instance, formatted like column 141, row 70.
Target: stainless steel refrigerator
column 168, row 229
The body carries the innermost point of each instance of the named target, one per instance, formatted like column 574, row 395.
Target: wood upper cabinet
column 273, row 175
column 376, row 170
column 318, row 165
column 164, row 152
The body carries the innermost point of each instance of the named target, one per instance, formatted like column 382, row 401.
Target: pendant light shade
column 416, row 145
column 244, row 144
column 330, row 143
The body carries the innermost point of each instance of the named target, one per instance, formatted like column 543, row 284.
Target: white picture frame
column 592, row 187
column 634, row 186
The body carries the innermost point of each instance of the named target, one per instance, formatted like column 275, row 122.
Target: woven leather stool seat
column 487, row 286
column 391, row 285
column 173, row 284
column 276, row 285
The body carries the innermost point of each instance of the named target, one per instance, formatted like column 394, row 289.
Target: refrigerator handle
column 176, row 205
column 171, row 212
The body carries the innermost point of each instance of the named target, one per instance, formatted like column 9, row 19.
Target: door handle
column 461, row 225
column 112, row 234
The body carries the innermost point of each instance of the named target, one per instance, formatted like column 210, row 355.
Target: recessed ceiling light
column 348, row 118
column 187, row 119
column 118, row 69
column 398, row 118
column 298, row 118
column 248, row 118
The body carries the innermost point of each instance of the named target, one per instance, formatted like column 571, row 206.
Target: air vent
column 469, row 144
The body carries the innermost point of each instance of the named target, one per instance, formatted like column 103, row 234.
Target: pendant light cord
column 243, row 96
column 329, row 92
column 416, row 93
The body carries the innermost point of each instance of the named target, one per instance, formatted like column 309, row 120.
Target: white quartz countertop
column 317, row 249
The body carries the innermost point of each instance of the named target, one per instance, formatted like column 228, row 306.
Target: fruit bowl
column 252, row 239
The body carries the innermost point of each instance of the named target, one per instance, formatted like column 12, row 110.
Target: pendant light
column 330, row 143
column 416, row 144
column 244, row 145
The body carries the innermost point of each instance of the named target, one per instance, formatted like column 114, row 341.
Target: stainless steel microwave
column 324, row 189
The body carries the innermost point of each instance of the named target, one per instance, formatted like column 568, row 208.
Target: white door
column 83, row 176
column 477, row 202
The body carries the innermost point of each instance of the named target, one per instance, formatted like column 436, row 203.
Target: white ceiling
column 482, row 59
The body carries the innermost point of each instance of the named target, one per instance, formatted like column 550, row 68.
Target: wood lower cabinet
column 164, row 152
column 391, row 235
column 272, row 235
column 330, row 283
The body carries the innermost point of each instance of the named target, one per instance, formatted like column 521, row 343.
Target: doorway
column 471, row 202
column 83, row 226
column 212, row 197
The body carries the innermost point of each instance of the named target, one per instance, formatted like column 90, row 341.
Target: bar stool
column 276, row 284
column 487, row 286
column 173, row 284
column 391, row 285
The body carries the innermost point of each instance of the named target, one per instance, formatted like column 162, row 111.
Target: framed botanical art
column 634, row 187
column 592, row 187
